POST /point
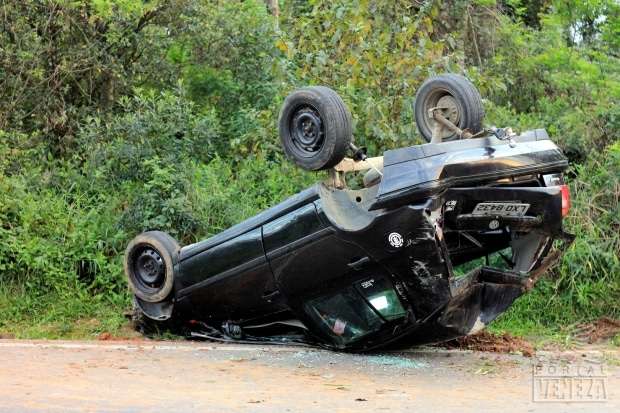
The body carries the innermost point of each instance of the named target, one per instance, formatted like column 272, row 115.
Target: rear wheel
column 460, row 102
column 315, row 128
column 149, row 265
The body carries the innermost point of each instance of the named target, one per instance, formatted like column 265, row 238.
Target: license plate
column 504, row 209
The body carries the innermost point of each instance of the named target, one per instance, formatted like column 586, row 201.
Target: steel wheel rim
column 149, row 269
column 307, row 131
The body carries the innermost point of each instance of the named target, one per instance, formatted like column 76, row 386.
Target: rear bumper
column 477, row 222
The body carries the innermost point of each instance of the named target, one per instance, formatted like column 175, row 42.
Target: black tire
column 460, row 94
column 149, row 265
column 315, row 128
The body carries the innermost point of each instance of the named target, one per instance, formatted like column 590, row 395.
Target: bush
column 63, row 239
column 63, row 61
column 586, row 283
column 590, row 271
column 536, row 79
column 227, row 58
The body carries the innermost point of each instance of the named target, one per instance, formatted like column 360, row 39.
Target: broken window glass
column 344, row 316
column 380, row 293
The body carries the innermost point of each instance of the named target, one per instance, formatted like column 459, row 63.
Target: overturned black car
column 438, row 241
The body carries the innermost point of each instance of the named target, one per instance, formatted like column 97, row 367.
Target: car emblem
column 395, row 239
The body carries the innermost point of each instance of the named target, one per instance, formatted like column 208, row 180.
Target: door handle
column 358, row 264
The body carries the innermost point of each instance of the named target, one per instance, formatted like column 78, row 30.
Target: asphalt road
column 42, row 376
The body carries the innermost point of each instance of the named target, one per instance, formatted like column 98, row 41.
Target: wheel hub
column 449, row 108
column 307, row 130
column 150, row 267
column 447, row 105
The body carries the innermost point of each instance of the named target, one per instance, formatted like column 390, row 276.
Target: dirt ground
column 56, row 376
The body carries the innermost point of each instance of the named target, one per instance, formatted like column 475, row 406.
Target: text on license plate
column 505, row 209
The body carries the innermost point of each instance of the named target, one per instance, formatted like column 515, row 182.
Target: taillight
column 565, row 200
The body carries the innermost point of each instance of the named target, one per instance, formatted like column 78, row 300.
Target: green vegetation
column 118, row 116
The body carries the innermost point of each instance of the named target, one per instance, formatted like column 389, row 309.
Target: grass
column 60, row 316
column 544, row 317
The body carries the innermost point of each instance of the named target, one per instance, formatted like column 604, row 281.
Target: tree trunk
column 273, row 6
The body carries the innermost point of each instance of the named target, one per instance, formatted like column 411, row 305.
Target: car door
column 305, row 252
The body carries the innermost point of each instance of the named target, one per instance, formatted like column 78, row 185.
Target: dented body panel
column 362, row 269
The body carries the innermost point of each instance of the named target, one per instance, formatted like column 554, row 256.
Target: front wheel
column 149, row 265
column 315, row 128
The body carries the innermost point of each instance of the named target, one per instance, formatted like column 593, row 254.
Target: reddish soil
column 602, row 329
column 486, row 341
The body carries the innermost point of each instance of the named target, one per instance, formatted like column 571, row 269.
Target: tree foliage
column 64, row 60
